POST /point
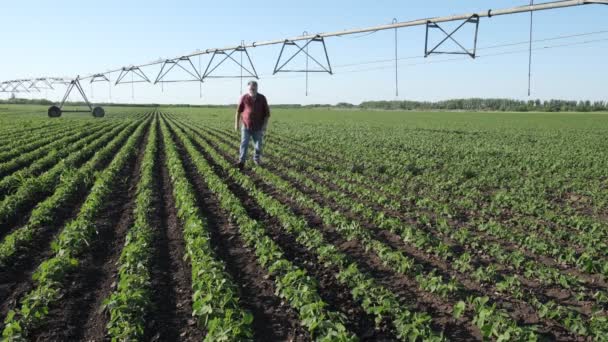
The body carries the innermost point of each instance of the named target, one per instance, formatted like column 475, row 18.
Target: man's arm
column 237, row 116
column 267, row 115
column 237, row 121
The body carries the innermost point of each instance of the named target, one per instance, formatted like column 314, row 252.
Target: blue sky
column 66, row 38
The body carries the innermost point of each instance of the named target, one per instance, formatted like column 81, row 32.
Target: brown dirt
column 171, row 318
column 274, row 319
column 336, row 295
column 525, row 313
column 16, row 279
column 597, row 281
column 521, row 312
column 405, row 289
column 79, row 315
column 20, row 216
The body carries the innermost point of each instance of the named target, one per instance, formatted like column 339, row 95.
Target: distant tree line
column 14, row 100
column 478, row 104
column 473, row 104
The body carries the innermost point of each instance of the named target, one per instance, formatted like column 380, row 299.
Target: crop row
column 130, row 302
column 292, row 283
column 394, row 259
column 34, row 189
column 48, row 158
column 569, row 318
column 215, row 297
column 21, row 131
column 40, row 140
column 518, row 232
column 72, row 184
column 72, row 242
column 474, row 231
column 375, row 299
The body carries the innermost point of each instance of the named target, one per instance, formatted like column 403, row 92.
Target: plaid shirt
column 253, row 112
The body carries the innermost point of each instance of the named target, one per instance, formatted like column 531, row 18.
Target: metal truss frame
column 29, row 85
column 75, row 83
column 56, row 111
column 99, row 78
column 430, row 23
column 228, row 56
column 17, row 86
column 4, row 87
column 474, row 19
column 57, row 80
column 46, row 84
column 133, row 70
column 172, row 63
column 303, row 49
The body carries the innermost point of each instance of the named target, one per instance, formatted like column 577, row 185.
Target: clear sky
column 66, row 38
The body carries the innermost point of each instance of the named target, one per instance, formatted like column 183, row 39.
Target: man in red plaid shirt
column 251, row 118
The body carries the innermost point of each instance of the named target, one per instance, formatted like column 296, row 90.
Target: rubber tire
column 98, row 112
column 54, row 112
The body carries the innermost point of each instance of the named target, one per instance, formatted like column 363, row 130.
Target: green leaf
column 459, row 309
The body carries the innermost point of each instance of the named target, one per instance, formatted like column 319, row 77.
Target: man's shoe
column 240, row 165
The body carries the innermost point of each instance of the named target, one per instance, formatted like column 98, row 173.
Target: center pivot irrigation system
column 234, row 54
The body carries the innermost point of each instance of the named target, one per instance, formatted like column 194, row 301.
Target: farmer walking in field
column 253, row 114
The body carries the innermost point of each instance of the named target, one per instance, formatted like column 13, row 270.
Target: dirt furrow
column 79, row 315
column 331, row 291
column 273, row 319
column 522, row 312
column 405, row 289
column 171, row 316
column 16, row 278
column 594, row 282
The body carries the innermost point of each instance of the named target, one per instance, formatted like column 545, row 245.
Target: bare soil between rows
column 79, row 314
column 374, row 266
column 336, row 295
column 171, row 316
column 273, row 319
column 16, row 278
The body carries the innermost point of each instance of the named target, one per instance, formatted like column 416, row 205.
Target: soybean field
column 358, row 225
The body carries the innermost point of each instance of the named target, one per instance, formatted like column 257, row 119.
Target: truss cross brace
column 133, row 70
column 99, row 78
column 190, row 69
column 4, row 87
column 209, row 70
column 75, row 83
column 45, row 84
column 16, row 85
column 55, row 111
column 302, row 49
column 9, row 87
column 58, row 80
column 474, row 19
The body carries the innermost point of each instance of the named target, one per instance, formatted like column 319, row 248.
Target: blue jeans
column 257, row 137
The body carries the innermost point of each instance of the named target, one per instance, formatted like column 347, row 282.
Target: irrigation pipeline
column 362, row 31
column 418, row 22
column 503, row 53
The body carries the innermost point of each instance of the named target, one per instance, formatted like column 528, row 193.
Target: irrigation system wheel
column 54, row 112
column 98, row 112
